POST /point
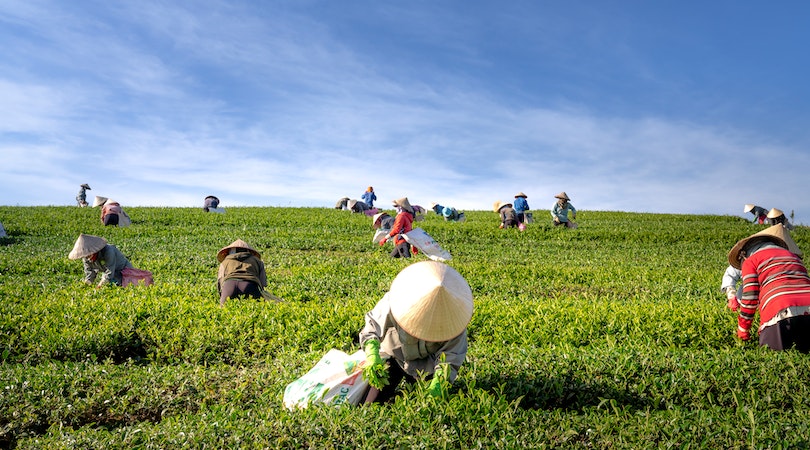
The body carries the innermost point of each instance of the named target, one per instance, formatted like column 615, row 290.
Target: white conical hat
column 99, row 200
column 562, row 195
column 404, row 204
column 748, row 207
column 377, row 218
column 86, row 245
column 431, row 301
column 774, row 213
column 777, row 233
column 223, row 252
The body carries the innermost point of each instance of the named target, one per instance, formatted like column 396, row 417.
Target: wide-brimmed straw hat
column 99, row 200
column 748, row 207
column 500, row 205
column 222, row 253
column 431, row 301
column 111, row 202
column 777, row 233
column 375, row 220
column 86, row 245
column 520, row 194
column 86, row 186
column 774, row 213
column 562, row 195
column 404, row 204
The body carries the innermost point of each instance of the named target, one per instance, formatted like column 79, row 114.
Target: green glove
column 439, row 384
column 375, row 370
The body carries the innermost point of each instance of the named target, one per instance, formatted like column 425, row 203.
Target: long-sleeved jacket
column 411, row 354
column 520, row 204
column 113, row 208
column 760, row 214
column 776, row 283
column 560, row 212
column 369, row 197
column 402, row 224
column 731, row 277
column 109, row 264
column 242, row 266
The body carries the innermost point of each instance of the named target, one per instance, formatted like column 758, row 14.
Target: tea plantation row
column 614, row 335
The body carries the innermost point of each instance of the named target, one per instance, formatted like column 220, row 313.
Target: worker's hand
column 383, row 241
column 374, row 369
column 744, row 335
column 439, row 384
column 731, row 296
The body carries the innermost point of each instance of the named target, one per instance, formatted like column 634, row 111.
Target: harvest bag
column 136, row 277
column 378, row 235
column 337, row 379
column 124, row 220
column 421, row 240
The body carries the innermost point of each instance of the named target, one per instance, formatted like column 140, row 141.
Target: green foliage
column 613, row 335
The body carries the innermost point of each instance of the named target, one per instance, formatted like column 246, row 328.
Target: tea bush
column 613, row 335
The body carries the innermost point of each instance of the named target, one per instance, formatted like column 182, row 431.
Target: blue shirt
column 520, row 204
column 368, row 198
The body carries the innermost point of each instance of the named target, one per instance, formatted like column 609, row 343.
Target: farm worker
column 81, row 197
column 729, row 286
column 357, row 206
column 210, row 202
column 447, row 212
column 241, row 272
column 99, row 257
column 559, row 212
column 521, row 206
column 420, row 328
column 369, row 196
column 403, row 223
column 341, row 204
column 775, row 282
column 113, row 214
column 508, row 215
column 760, row 213
column 776, row 216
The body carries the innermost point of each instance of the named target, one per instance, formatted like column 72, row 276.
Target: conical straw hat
column 431, row 301
column 562, row 195
column 223, row 252
column 501, row 205
column 111, row 202
column 377, row 218
column 774, row 213
column 520, row 194
column 404, row 204
column 777, row 233
column 86, row 245
column 99, row 200
column 748, row 207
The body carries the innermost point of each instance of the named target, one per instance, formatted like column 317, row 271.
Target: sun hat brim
column 223, row 252
column 776, row 233
column 86, row 245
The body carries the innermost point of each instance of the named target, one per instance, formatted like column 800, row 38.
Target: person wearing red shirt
column 403, row 223
column 775, row 283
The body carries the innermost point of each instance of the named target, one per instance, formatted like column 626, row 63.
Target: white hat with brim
column 431, row 301
column 748, row 207
column 99, row 200
column 111, row 202
column 223, row 252
column 502, row 205
column 774, row 213
column 86, row 245
column 351, row 203
column 562, row 195
column 375, row 220
column 777, row 233
column 404, row 204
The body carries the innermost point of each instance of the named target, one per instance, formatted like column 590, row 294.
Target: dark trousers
column 403, row 250
column 395, row 376
column 111, row 219
column 788, row 333
column 238, row 288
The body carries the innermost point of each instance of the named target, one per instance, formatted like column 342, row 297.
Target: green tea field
column 613, row 335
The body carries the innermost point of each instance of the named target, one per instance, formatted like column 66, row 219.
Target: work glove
column 744, row 335
column 383, row 241
column 439, row 384
column 731, row 295
column 375, row 370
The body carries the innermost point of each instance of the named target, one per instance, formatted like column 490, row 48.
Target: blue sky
column 649, row 106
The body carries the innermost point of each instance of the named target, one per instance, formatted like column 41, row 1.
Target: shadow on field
column 563, row 392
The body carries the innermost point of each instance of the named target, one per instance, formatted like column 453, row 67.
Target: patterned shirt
column 776, row 283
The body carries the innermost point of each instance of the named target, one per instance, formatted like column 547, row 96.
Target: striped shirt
column 776, row 283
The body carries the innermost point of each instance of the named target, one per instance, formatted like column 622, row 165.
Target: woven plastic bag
column 136, row 277
column 421, row 240
column 336, row 379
